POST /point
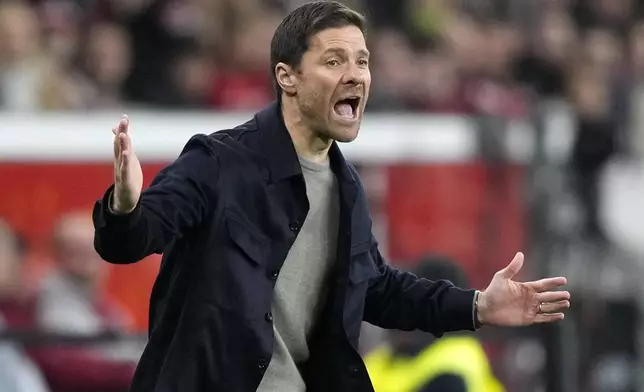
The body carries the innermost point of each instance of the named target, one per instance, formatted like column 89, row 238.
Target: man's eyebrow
column 364, row 52
column 335, row 51
column 361, row 52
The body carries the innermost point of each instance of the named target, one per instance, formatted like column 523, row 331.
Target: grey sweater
column 300, row 289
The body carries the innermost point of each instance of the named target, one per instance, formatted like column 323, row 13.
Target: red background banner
column 452, row 209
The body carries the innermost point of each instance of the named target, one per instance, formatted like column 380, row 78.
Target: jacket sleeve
column 179, row 199
column 401, row 300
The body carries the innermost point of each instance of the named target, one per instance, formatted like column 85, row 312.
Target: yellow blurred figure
column 417, row 362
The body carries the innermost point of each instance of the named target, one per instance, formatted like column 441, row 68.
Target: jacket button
column 261, row 365
column 294, row 227
column 269, row 317
column 354, row 369
column 274, row 275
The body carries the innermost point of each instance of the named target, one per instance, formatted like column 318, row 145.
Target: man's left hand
column 509, row 303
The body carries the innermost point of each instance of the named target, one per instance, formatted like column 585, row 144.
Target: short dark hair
column 292, row 36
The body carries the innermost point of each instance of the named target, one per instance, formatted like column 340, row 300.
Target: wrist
column 481, row 308
column 116, row 208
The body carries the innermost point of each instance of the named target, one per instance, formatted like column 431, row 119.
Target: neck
column 309, row 144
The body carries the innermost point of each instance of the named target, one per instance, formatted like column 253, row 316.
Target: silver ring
column 539, row 308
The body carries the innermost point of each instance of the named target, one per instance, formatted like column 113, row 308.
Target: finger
column 117, row 144
column 553, row 296
column 124, row 125
column 548, row 318
column 547, row 284
column 125, row 142
column 121, row 127
column 125, row 146
column 554, row 307
column 513, row 268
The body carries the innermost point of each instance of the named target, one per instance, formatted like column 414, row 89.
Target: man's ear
column 286, row 78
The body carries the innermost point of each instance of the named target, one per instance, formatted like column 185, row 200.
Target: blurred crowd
column 458, row 56
column 44, row 321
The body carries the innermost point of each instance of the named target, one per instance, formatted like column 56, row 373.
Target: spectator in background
column 71, row 303
column 29, row 79
column 192, row 76
column 438, row 86
column 160, row 31
column 71, row 299
column 17, row 371
column 106, row 62
column 616, row 15
column 598, row 130
column 15, row 300
column 245, row 83
column 418, row 362
column 636, row 94
column 544, row 66
column 394, row 70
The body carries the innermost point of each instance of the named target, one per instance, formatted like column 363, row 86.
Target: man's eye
column 363, row 62
column 333, row 63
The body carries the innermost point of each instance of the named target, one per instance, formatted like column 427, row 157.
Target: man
column 18, row 373
column 70, row 302
column 269, row 262
column 418, row 362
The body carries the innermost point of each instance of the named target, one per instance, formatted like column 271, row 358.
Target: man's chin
column 345, row 134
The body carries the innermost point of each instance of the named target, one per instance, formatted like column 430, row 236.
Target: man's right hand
column 128, row 175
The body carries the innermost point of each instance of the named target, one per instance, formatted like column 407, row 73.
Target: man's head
column 321, row 65
column 73, row 248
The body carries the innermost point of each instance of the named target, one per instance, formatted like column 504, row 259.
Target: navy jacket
column 225, row 215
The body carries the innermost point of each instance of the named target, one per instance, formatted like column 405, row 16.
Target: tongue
column 344, row 109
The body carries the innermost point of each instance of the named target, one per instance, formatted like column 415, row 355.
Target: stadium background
column 493, row 126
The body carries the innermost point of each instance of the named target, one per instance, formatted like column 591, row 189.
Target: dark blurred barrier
column 542, row 244
column 493, row 135
column 559, row 372
column 595, row 348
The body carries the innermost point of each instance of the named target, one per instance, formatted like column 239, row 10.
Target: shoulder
column 243, row 136
column 228, row 147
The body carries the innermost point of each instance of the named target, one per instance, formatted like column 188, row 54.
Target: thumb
column 513, row 268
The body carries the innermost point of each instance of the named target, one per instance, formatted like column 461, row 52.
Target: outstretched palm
column 506, row 302
column 128, row 175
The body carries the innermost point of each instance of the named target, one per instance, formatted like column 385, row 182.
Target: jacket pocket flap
column 253, row 244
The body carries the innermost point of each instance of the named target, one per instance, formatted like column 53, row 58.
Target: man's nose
column 354, row 75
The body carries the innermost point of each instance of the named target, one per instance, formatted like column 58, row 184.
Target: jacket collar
column 278, row 148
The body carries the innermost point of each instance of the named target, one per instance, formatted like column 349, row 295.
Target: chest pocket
column 235, row 278
column 247, row 239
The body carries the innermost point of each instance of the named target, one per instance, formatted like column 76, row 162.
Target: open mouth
column 347, row 108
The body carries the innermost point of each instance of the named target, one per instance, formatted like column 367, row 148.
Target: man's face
column 74, row 250
column 332, row 85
